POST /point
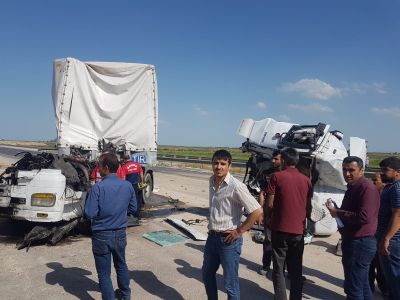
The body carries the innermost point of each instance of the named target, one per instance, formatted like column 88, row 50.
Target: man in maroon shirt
column 289, row 201
column 359, row 214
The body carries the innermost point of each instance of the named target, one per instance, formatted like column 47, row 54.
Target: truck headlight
column 43, row 199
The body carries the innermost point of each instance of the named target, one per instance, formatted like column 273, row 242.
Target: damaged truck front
column 321, row 152
column 99, row 106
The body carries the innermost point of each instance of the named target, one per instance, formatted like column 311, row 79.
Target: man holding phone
column 359, row 214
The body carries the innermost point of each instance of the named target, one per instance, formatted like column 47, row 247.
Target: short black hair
column 222, row 154
column 110, row 161
column 290, row 156
column 276, row 152
column 356, row 159
column 390, row 162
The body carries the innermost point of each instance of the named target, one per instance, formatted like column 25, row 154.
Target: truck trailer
column 99, row 107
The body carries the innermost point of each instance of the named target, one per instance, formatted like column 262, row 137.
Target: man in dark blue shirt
column 388, row 233
column 107, row 206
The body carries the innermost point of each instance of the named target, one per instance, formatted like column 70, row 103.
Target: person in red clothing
column 134, row 174
column 289, row 202
column 133, row 170
column 96, row 177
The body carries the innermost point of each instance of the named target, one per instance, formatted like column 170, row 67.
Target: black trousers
column 287, row 247
column 376, row 272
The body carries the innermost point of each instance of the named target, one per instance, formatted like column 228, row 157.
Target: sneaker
column 259, row 237
column 308, row 238
column 263, row 271
column 117, row 294
column 339, row 248
column 303, row 278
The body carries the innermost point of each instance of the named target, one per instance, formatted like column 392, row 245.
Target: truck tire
column 148, row 190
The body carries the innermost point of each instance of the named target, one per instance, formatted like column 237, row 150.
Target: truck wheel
column 148, row 190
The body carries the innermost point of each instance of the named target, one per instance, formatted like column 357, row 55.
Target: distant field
column 375, row 158
column 237, row 154
column 205, row 152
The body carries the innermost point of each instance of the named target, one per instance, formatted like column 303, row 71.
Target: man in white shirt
column 228, row 196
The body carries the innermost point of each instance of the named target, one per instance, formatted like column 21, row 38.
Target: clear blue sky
column 217, row 62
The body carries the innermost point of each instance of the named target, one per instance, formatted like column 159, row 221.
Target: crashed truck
column 321, row 152
column 99, row 106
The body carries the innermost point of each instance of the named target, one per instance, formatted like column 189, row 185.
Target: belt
column 218, row 233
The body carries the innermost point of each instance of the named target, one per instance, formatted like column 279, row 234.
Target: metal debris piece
column 196, row 235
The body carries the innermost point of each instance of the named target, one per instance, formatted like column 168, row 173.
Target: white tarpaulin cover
column 116, row 102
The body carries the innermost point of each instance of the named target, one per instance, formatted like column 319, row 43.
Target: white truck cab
column 321, row 155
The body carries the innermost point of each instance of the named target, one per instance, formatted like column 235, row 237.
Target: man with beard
column 359, row 215
column 388, row 233
column 267, row 248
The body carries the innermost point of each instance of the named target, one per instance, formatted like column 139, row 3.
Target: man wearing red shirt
column 289, row 201
column 134, row 174
column 96, row 177
column 359, row 215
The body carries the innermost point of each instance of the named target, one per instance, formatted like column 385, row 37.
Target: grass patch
column 375, row 158
column 205, row 152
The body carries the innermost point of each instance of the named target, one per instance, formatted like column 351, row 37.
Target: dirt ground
column 67, row 271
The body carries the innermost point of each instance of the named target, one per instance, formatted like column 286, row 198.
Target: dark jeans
column 107, row 244
column 139, row 198
column 267, row 254
column 287, row 247
column 376, row 273
column 391, row 269
column 216, row 253
column 356, row 259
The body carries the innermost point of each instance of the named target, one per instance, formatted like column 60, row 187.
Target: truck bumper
column 32, row 215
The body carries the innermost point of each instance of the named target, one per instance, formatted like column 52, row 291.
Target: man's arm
column 309, row 204
column 133, row 205
column 92, row 203
column 364, row 215
column 141, row 176
column 246, row 225
column 394, row 226
column 270, row 205
column 261, row 201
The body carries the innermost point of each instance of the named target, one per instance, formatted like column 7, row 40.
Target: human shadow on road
column 329, row 247
column 310, row 288
column 314, row 291
column 248, row 288
column 149, row 282
column 201, row 211
column 247, row 263
column 73, row 280
column 323, row 276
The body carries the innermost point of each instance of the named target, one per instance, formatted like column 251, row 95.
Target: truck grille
column 16, row 200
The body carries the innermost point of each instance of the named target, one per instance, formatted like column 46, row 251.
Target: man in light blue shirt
column 108, row 204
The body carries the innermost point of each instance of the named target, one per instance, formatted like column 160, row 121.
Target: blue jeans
column 356, row 259
column 217, row 253
column 391, row 269
column 107, row 244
